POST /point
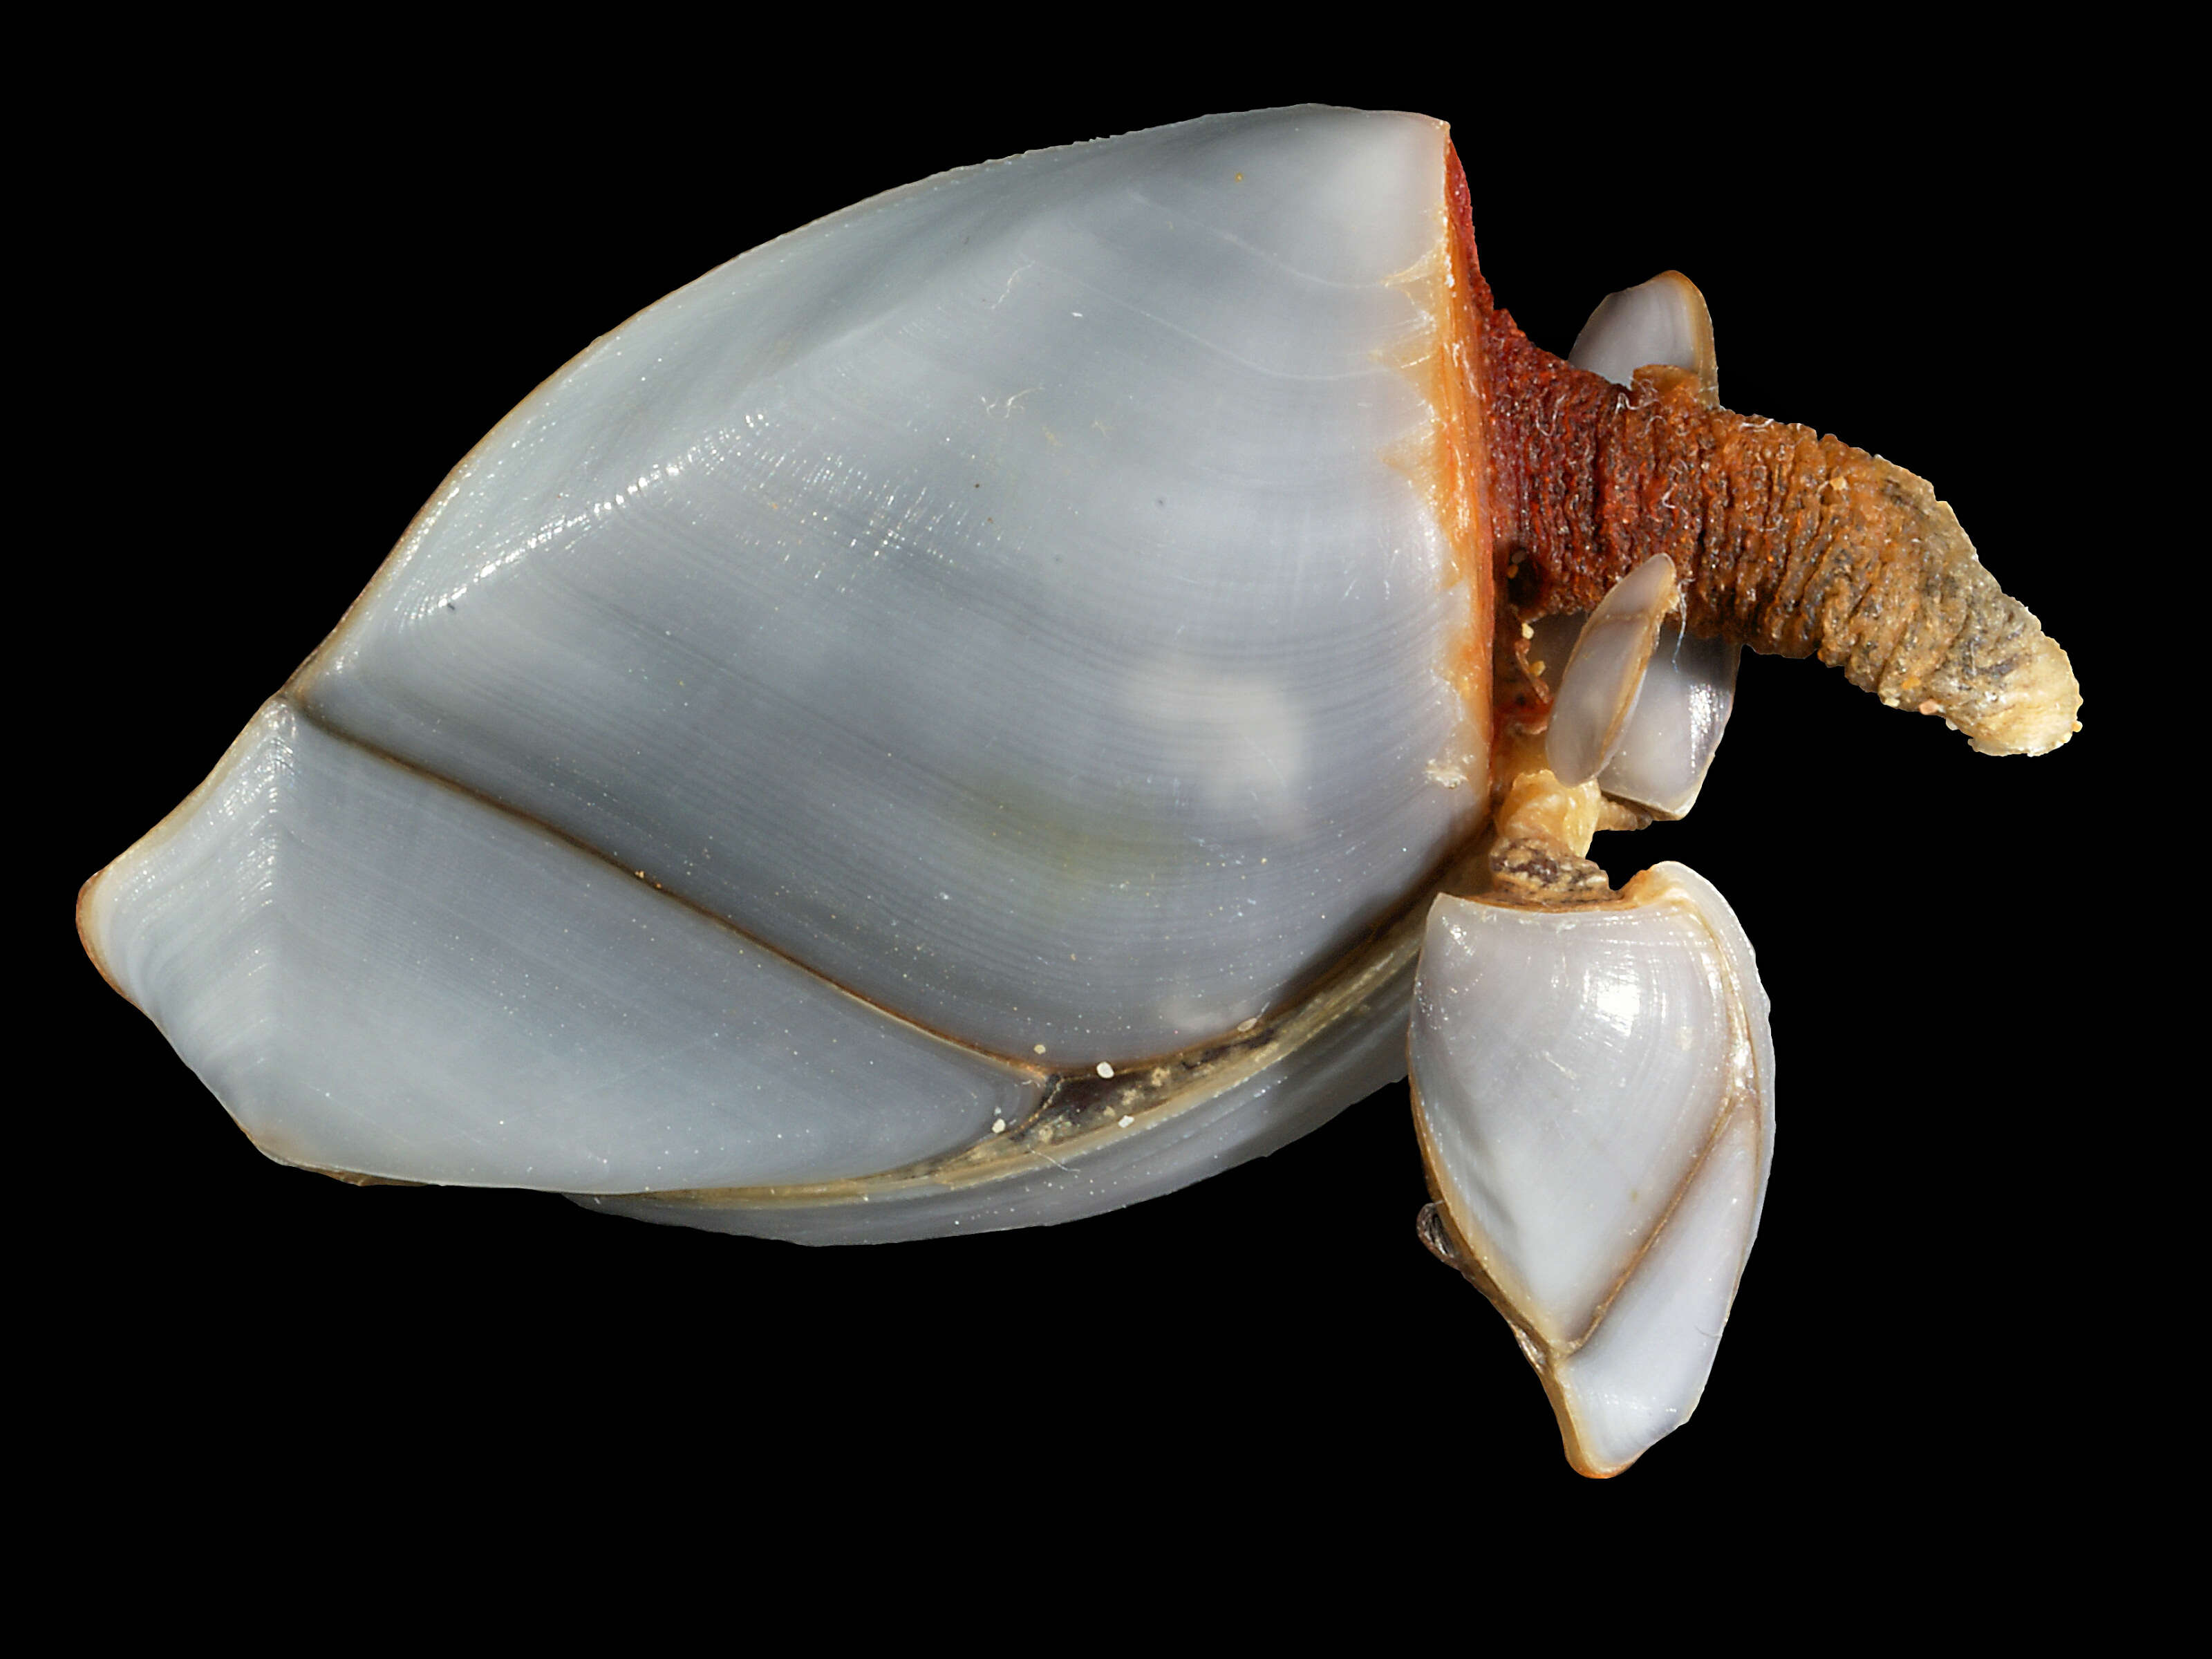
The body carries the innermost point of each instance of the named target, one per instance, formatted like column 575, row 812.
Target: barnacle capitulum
column 956, row 719
column 1594, row 1089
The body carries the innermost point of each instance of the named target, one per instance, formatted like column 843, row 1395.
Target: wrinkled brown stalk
column 1790, row 543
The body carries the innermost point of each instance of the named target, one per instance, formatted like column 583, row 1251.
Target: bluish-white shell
column 1005, row 631
column 1595, row 1091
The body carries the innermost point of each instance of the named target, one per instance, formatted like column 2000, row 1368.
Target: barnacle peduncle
column 1791, row 543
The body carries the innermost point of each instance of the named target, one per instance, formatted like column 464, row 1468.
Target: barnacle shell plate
column 1594, row 1089
column 1006, row 627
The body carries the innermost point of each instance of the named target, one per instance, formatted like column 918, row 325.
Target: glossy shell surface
column 1022, row 626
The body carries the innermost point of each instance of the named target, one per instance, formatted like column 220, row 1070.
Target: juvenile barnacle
column 935, row 841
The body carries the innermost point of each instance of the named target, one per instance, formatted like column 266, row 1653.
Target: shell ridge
column 1723, row 1122
column 304, row 712
column 1346, row 997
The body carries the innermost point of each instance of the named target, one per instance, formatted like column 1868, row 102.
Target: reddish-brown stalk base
column 1790, row 543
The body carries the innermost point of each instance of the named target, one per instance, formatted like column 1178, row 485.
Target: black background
column 307, row 306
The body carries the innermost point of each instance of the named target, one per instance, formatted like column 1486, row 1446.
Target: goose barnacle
column 957, row 715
